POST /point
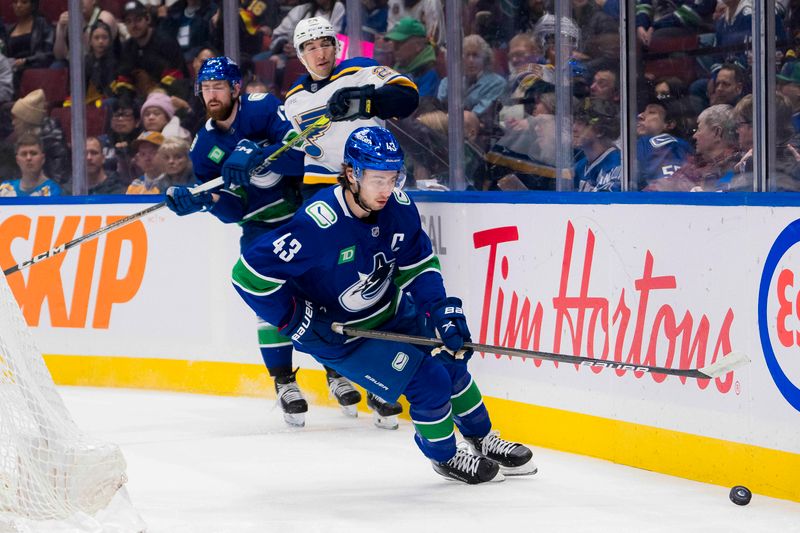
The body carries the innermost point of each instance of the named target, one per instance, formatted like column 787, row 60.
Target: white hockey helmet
column 312, row 28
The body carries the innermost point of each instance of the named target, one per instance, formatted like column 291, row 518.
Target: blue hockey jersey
column 260, row 119
column 604, row 174
column 659, row 156
column 355, row 268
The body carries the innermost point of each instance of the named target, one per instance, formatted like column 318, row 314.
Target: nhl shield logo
column 376, row 231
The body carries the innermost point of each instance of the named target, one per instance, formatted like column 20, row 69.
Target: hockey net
column 50, row 471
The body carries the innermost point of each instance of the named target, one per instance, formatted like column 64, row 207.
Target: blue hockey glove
column 245, row 157
column 451, row 326
column 350, row 103
column 310, row 327
column 183, row 202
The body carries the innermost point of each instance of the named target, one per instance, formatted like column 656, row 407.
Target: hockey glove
column 310, row 327
column 183, row 202
column 350, row 103
column 245, row 157
column 451, row 326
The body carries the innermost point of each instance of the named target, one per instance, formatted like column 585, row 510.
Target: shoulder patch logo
column 255, row 97
column 401, row 197
column 216, row 154
column 347, row 255
column 322, row 214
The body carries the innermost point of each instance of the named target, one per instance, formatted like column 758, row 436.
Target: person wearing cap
column 789, row 86
column 29, row 115
column 414, row 55
column 145, row 147
column 149, row 57
column 30, row 158
column 594, row 130
column 158, row 114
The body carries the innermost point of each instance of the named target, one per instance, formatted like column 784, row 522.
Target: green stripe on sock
column 466, row 400
column 436, row 431
column 268, row 336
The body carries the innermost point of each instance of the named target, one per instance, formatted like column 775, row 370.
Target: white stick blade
column 338, row 327
column 725, row 364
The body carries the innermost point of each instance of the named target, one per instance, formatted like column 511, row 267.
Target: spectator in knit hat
column 34, row 181
column 145, row 147
column 158, row 114
column 29, row 115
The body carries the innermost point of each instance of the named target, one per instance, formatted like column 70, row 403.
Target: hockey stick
column 322, row 121
column 105, row 229
column 211, row 184
column 717, row 369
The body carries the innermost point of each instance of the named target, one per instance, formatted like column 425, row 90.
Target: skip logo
column 400, row 361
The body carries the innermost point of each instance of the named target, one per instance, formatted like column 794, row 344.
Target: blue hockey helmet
column 218, row 68
column 374, row 148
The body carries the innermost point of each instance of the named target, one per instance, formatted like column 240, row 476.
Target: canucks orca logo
column 370, row 287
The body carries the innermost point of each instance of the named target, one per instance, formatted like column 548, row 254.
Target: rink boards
column 150, row 305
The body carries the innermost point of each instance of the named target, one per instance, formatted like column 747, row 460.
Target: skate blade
column 528, row 469
column 350, row 411
column 385, row 422
column 297, row 420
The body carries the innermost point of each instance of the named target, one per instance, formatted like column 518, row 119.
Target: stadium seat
column 294, row 69
column 678, row 63
column 501, row 61
column 265, row 71
column 52, row 9
column 54, row 82
column 95, row 120
column 113, row 6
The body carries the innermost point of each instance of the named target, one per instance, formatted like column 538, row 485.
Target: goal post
column 50, row 471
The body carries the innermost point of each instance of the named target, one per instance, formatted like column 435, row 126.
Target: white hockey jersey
column 307, row 100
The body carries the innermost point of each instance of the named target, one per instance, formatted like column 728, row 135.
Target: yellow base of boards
column 765, row 471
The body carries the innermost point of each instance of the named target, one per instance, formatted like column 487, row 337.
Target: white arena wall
column 150, row 305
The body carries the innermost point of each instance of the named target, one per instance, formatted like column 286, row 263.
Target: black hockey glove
column 182, row 202
column 451, row 326
column 350, row 103
column 309, row 326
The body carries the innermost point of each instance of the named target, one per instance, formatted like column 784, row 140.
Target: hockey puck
column 740, row 495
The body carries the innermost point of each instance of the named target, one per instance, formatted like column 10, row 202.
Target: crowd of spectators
column 693, row 57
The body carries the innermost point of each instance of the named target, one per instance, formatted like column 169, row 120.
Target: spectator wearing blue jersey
column 595, row 129
column 30, row 156
column 660, row 151
column 711, row 168
column 414, row 55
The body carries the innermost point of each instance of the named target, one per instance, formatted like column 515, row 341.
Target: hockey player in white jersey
column 357, row 92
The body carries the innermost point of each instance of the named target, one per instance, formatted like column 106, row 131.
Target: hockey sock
column 276, row 350
column 470, row 414
column 436, row 438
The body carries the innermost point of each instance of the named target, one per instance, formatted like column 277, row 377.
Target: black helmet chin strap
column 357, row 198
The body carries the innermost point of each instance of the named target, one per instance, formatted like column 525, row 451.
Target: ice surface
column 208, row 464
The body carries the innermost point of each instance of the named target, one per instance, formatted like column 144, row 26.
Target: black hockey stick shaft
column 211, row 184
column 717, row 369
column 105, row 229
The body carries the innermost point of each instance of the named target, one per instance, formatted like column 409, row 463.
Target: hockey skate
column 384, row 414
column 344, row 392
column 469, row 468
column 514, row 459
column 291, row 400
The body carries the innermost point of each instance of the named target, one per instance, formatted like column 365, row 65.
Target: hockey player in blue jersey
column 356, row 253
column 237, row 124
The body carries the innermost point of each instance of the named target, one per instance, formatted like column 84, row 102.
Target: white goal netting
column 49, row 470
